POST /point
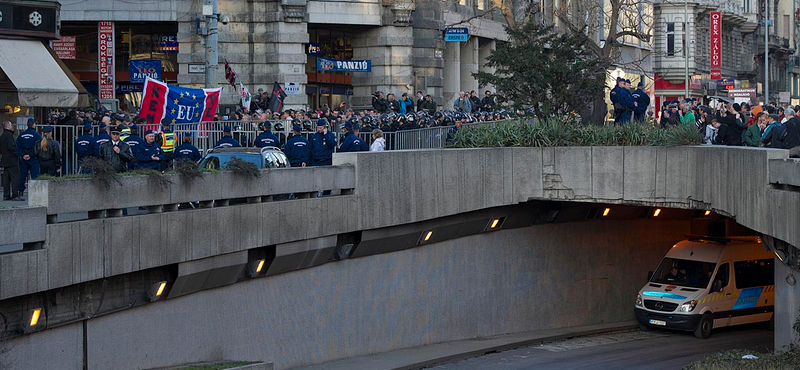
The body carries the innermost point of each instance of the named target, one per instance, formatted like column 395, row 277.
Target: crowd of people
column 734, row 124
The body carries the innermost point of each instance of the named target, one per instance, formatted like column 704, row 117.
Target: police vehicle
column 705, row 283
column 269, row 157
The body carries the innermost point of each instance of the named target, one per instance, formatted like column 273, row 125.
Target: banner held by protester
column 176, row 104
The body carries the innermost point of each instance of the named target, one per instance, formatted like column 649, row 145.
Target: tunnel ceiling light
column 256, row 267
column 425, row 237
column 606, row 212
column 428, row 235
column 495, row 224
column 31, row 320
column 157, row 291
column 657, row 212
column 708, row 213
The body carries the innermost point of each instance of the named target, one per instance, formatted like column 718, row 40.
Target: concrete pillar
column 429, row 49
column 452, row 74
column 485, row 48
column 469, row 64
column 389, row 49
column 787, row 304
column 263, row 42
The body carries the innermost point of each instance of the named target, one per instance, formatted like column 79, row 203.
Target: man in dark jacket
column 732, row 119
column 488, row 101
column 9, row 160
column 149, row 155
column 350, row 142
column 28, row 148
column 186, row 151
column 475, row 100
column 266, row 138
column 298, row 149
column 322, row 144
column 379, row 103
column 116, row 152
column 790, row 137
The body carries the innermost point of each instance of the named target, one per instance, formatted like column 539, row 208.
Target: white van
column 705, row 283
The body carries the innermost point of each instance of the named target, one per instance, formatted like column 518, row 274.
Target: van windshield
column 694, row 274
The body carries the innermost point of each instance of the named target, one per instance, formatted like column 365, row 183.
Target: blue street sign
column 456, row 34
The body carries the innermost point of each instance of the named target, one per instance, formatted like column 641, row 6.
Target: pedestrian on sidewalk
column 9, row 160
column 49, row 153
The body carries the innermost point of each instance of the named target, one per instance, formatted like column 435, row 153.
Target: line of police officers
column 302, row 152
column 629, row 104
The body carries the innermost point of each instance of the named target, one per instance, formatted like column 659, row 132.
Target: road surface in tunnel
column 622, row 350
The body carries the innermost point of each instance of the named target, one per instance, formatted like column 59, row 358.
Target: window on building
column 754, row 273
column 787, row 24
column 746, row 6
column 671, row 39
column 481, row 4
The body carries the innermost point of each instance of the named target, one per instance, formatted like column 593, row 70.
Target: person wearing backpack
column 49, row 153
column 770, row 136
column 790, row 136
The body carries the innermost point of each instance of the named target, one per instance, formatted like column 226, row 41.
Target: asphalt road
column 622, row 350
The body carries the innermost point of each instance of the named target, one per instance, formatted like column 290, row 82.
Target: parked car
column 262, row 157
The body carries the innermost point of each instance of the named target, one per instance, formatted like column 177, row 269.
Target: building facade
column 267, row 41
column 742, row 49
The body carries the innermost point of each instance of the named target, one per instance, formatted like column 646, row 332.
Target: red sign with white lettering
column 715, row 61
column 105, row 35
column 65, row 48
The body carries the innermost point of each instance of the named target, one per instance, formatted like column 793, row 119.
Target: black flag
column 276, row 100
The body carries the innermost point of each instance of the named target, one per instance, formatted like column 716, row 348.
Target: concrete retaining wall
column 83, row 195
column 22, row 225
column 549, row 276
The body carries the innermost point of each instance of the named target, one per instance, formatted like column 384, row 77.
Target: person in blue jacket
column 84, row 145
column 101, row 138
column 28, row 149
column 149, row 154
column 350, row 142
column 298, row 149
column 227, row 140
column 323, row 142
column 357, row 131
column 133, row 140
column 186, row 151
column 623, row 102
column 642, row 102
column 266, row 138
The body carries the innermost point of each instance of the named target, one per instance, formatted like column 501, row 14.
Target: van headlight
column 687, row 306
column 639, row 302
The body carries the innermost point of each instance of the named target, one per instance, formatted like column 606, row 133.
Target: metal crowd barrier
column 205, row 135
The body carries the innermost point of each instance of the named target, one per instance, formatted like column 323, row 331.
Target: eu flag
column 162, row 102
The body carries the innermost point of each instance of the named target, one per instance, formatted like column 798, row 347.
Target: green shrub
column 555, row 132
column 241, row 167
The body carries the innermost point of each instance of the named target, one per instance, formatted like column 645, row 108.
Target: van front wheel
column 704, row 327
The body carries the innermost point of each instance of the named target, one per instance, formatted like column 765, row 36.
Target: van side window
column 723, row 275
column 754, row 273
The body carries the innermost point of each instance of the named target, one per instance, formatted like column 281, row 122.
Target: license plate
column 658, row 322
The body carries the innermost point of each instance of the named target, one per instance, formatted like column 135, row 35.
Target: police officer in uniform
column 101, row 138
column 298, row 149
column 623, row 103
column 166, row 140
column 84, row 145
column 350, row 142
column 357, row 131
column 149, row 154
column 281, row 135
column 227, row 140
column 266, row 138
column 186, row 151
column 322, row 144
column 28, row 149
column 642, row 102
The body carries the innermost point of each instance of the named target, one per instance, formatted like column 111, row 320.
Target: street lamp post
column 686, row 46
column 766, row 51
column 211, row 45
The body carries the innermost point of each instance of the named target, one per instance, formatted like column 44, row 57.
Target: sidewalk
column 429, row 355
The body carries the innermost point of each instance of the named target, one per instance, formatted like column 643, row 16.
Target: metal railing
column 205, row 135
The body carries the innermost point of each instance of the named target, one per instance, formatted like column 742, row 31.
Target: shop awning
column 38, row 77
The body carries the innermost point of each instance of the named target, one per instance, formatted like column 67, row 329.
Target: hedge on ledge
column 547, row 133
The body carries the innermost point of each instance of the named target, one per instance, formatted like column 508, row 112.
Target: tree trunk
column 595, row 113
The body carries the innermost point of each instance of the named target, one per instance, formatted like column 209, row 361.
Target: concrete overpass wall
column 548, row 276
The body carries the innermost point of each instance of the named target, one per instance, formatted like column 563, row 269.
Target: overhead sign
column 742, row 93
column 726, row 84
column 715, row 61
column 292, row 88
column 105, row 56
column 332, row 65
column 142, row 69
column 785, row 96
column 456, row 34
column 40, row 20
column 65, row 48
column 312, row 48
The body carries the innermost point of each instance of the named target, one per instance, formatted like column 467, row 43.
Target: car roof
column 243, row 150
